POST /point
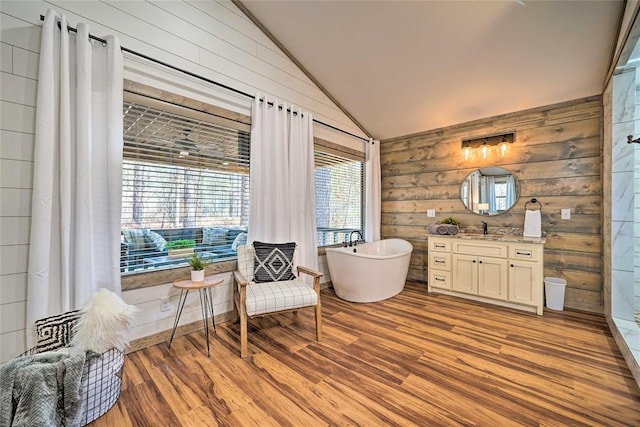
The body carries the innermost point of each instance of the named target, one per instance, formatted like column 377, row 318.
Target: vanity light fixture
column 486, row 144
column 484, row 149
column 503, row 146
column 466, row 150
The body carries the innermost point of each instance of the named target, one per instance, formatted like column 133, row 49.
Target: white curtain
column 373, row 192
column 511, row 189
column 474, row 190
column 491, row 193
column 75, row 225
column 282, row 182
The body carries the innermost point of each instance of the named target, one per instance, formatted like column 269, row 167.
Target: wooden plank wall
column 556, row 158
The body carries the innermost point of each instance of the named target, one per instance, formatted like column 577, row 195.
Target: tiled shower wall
column 636, row 201
column 622, row 196
column 621, row 222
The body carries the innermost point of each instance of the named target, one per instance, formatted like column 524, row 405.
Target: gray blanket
column 42, row 390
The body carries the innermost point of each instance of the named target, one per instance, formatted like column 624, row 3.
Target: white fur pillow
column 104, row 323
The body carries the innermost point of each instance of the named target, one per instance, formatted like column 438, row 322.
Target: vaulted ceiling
column 402, row 67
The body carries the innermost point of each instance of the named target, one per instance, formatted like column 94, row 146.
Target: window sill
column 322, row 249
column 146, row 279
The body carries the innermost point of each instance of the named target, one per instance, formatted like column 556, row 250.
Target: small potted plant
column 451, row 220
column 180, row 248
column 197, row 264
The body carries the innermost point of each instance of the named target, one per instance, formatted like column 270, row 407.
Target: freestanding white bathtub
column 373, row 272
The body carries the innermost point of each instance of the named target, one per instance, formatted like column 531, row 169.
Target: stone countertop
column 503, row 238
column 509, row 236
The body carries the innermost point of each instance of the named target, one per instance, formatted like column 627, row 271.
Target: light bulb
column 503, row 148
column 485, row 151
column 466, row 152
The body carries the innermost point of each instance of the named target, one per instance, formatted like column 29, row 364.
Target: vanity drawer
column 439, row 245
column 440, row 260
column 498, row 250
column 525, row 252
column 439, row 279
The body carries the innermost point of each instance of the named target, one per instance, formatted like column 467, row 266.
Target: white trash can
column 554, row 292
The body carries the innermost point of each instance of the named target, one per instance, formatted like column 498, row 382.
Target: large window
column 339, row 194
column 185, row 185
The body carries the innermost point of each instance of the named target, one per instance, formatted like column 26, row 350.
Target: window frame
column 332, row 148
column 176, row 102
column 194, row 110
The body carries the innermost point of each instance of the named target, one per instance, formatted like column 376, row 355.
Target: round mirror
column 489, row 191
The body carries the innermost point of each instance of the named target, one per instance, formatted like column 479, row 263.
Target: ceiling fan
column 185, row 145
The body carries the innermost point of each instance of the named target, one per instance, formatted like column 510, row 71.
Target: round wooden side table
column 206, row 302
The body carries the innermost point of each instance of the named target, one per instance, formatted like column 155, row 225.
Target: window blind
column 339, row 196
column 180, row 173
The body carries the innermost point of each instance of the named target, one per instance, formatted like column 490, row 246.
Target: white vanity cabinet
column 507, row 273
column 440, row 264
column 479, row 276
column 525, row 270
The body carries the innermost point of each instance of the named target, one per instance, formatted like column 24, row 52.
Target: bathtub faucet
column 352, row 243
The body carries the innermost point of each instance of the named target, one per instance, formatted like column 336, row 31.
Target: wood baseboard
column 164, row 336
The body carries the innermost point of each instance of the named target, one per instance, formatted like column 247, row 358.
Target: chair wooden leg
column 318, row 321
column 316, row 287
column 235, row 317
column 240, row 297
column 243, row 336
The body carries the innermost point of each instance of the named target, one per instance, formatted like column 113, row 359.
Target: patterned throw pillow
column 273, row 262
column 241, row 239
column 56, row 331
column 137, row 237
column 155, row 240
column 214, row 235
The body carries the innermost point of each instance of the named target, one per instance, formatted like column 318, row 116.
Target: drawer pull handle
column 439, row 246
column 439, row 261
column 523, row 253
column 439, row 279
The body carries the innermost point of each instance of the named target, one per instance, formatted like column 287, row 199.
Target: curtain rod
column 198, row 76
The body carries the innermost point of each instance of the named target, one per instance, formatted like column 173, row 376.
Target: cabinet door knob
column 511, row 265
column 474, row 261
column 480, row 262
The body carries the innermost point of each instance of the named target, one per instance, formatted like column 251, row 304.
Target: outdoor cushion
column 214, row 235
column 137, row 237
column 241, row 239
column 156, row 241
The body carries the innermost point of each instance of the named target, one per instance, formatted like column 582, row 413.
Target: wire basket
column 101, row 383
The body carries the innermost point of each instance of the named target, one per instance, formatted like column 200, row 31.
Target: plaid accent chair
column 255, row 296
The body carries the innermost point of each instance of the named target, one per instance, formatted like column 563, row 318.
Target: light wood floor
column 415, row 359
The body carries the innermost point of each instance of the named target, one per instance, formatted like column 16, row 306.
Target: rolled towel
column 452, row 229
column 442, row 229
column 437, row 229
